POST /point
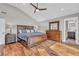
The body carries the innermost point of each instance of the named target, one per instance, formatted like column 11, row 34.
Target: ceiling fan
column 37, row 8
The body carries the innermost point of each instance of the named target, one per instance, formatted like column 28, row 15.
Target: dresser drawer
column 53, row 35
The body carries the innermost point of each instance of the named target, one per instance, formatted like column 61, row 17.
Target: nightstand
column 10, row 38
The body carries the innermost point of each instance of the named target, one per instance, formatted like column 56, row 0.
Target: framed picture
column 54, row 25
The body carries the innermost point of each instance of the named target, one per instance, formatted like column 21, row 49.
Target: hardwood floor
column 64, row 50
column 1, row 49
column 17, row 49
column 46, row 48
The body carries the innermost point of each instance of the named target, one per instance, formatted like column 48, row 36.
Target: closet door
column 2, row 31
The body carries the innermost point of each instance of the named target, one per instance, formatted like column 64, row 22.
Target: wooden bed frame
column 31, row 41
column 24, row 27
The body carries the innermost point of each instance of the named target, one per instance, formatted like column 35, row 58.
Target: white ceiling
column 54, row 10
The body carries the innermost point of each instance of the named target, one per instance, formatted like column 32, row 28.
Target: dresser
column 10, row 38
column 53, row 35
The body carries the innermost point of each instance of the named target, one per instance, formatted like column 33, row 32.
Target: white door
column 2, row 31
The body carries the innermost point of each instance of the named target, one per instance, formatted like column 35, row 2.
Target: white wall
column 15, row 16
column 2, row 31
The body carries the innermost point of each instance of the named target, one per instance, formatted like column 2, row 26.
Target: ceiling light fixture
column 37, row 10
column 62, row 9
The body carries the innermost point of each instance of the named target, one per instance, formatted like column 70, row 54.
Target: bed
column 28, row 37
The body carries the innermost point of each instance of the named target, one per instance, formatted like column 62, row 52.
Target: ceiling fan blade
column 34, row 10
column 42, row 8
column 34, row 6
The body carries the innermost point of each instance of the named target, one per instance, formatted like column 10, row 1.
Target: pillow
column 32, row 30
column 24, row 31
column 28, row 31
column 20, row 31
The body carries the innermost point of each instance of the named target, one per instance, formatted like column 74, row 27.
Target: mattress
column 24, row 36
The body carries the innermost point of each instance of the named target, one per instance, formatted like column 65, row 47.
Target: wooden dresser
column 53, row 35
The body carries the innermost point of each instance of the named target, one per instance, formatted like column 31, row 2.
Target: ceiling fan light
column 37, row 10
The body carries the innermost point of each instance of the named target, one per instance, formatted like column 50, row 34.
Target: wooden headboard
column 22, row 27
